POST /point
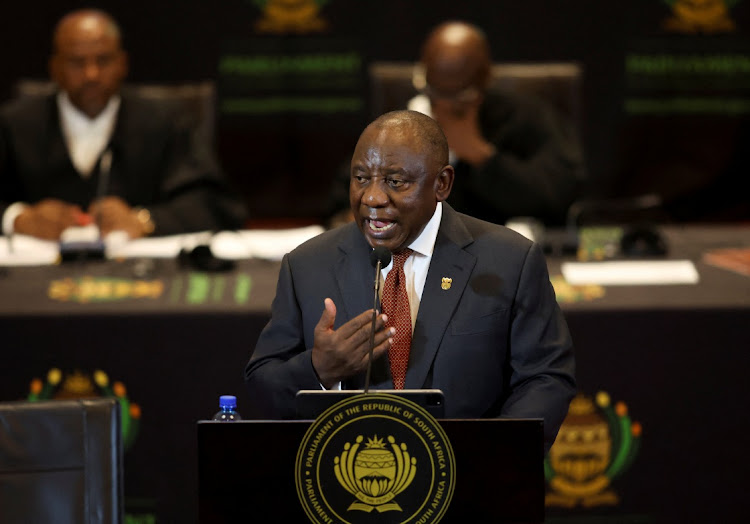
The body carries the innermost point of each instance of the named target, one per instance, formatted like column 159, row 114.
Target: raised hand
column 340, row 353
column 460, row 123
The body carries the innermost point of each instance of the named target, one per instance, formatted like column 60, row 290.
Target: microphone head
column 382, row 254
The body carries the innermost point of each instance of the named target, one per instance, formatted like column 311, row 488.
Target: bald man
column 513, row 155
column 90, row 152
column 493, row 339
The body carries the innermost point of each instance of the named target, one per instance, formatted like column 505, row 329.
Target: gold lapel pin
column 446, row 283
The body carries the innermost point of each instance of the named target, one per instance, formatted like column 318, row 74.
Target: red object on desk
column 83, row 219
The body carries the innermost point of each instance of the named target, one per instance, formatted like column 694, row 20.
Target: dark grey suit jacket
column 155, row 164
column 495, row 343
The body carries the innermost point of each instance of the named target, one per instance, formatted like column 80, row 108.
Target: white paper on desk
column 23, row 250
column 153, row 247
column 270, row 244
column 631, row 272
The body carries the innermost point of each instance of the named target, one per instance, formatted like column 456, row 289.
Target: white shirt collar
column 86, row 138
column 424, row 244
column 417, row 266
column 76, row 121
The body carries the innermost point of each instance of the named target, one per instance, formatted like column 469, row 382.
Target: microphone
column 379, row 258
column 105, row 165
column 380, row 254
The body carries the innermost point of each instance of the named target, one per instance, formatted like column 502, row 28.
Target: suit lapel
column 123, row 153
column 438, row 305
column 354, row 276
column 58, row 152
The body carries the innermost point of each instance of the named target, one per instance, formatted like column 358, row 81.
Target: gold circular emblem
column 373, row 458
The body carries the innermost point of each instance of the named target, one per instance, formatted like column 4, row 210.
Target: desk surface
column 717, row 288
column 160, row 286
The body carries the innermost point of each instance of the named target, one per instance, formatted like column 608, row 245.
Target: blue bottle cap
column 227, row 401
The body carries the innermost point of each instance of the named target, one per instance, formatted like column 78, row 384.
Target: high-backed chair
column 193, row 104
column 61, row 462
column 392, row 84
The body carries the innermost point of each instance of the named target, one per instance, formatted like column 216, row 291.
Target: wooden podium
column 247, row 471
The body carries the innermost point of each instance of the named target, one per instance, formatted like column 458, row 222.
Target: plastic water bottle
column 228, row 409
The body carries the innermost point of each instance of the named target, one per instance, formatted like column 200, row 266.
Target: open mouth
column 380, row 226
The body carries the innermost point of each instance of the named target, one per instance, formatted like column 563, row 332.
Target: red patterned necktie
column 395, row 303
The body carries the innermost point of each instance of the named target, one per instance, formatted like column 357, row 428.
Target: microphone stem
column 105, row 164
column 372, row 326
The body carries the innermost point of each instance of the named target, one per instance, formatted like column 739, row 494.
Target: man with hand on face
column 513, row 155
column 493, row 340
column 91, row 153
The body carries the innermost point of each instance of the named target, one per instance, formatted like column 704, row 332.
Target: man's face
column 88, row 64
column 395, row 186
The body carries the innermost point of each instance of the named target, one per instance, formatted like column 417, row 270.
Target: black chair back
column 392, row 84
column 61, row 462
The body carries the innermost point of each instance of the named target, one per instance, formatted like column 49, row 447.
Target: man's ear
column 444, row 183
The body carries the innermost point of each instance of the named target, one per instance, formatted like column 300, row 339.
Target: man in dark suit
column 487, row 329
column 91, row 152
column 513, row 154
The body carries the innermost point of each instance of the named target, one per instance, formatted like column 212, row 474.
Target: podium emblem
column 375, row 457
column 376, row 473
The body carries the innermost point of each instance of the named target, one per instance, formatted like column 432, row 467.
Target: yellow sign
column 700, row 16
column 569, row 293
column 290, row 16
column 103, row 289
column 596, row 443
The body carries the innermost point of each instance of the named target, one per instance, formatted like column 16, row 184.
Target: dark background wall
column 286, row 172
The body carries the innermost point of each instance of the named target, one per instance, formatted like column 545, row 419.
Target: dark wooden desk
column 676, row 355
